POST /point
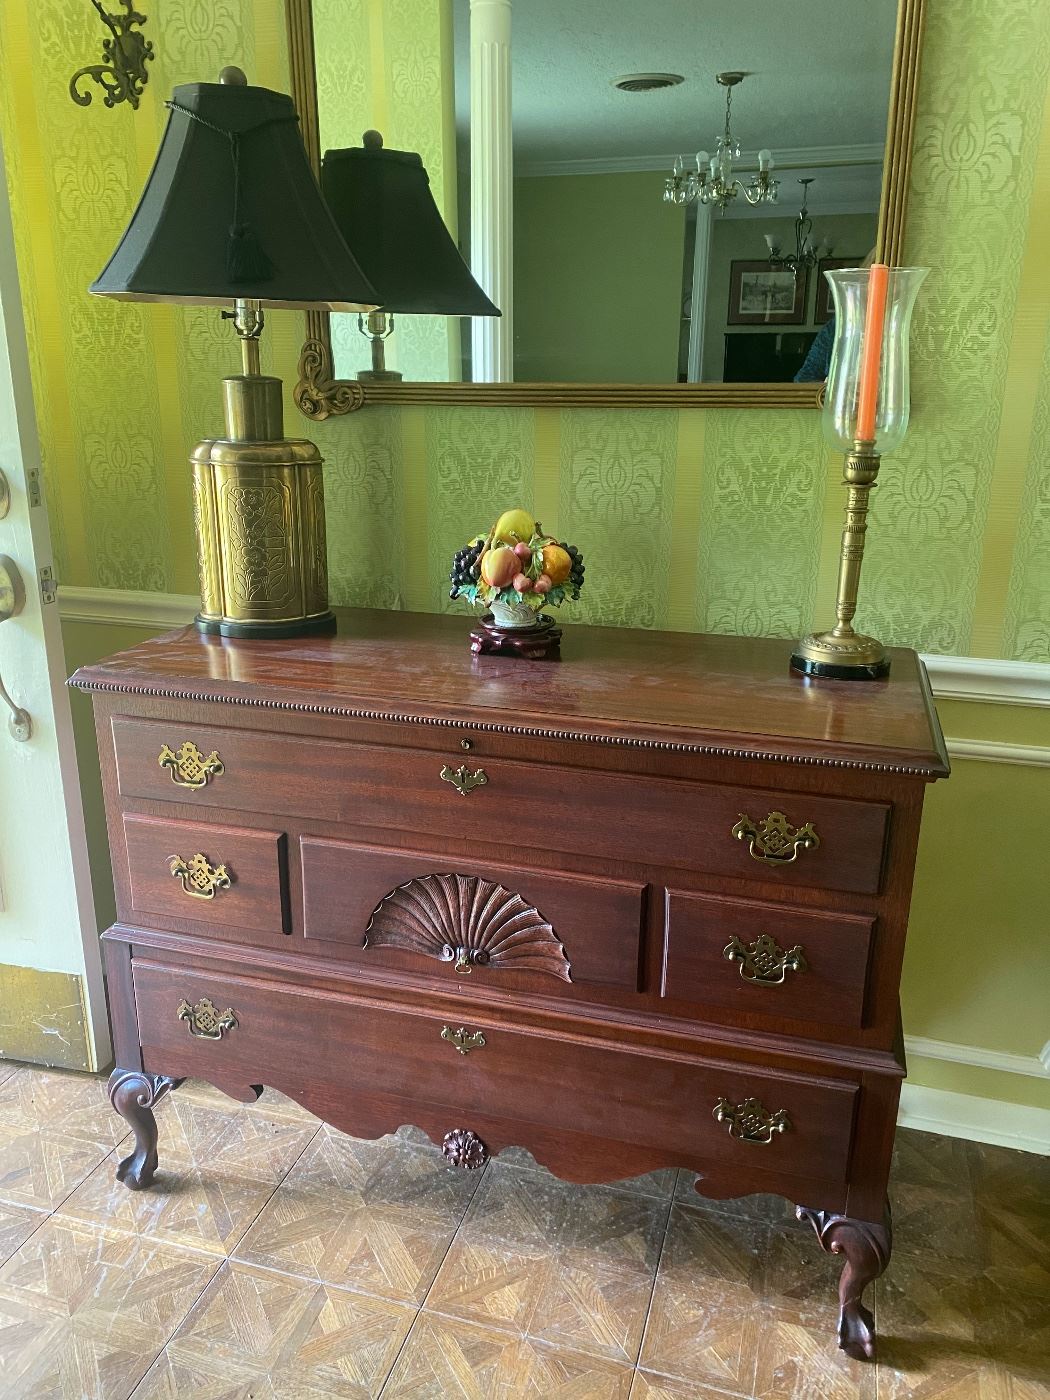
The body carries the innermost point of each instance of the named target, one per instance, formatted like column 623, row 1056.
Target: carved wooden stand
column 542, row 643
column 866, row 1247
column 134, row 1094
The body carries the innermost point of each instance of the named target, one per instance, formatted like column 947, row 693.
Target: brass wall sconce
column 122, row 73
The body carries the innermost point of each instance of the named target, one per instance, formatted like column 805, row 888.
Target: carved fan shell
column 469, row 919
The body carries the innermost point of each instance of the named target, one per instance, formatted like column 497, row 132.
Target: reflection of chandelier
column 806, row 254
column 712, row 182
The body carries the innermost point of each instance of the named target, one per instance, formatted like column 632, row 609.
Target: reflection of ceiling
column 821, row 74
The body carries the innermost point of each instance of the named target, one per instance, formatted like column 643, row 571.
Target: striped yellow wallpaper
column 697, row 520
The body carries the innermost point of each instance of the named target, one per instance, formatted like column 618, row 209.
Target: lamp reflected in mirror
column 384, row 207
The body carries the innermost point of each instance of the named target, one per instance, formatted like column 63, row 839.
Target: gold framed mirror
column 321, row 392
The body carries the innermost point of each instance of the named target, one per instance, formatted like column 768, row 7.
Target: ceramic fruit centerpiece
column 516, row 571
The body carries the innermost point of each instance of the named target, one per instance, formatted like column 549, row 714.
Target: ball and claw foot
column 866, row 1249
column 134, row 1094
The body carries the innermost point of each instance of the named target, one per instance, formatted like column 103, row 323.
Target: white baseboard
column 978, row 1120
column 922, row 1047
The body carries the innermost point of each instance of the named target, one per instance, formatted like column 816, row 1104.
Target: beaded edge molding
column 482, row 727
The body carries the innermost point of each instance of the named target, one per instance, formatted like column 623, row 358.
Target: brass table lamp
column 383, row 205
column 867, row 405
column 232, row 216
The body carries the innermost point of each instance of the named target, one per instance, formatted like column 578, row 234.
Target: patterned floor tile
column 1010, row 1180
column 491, row 1282
column 196, row 1207
column 84, row 1312
column 931, row 1221
column 443, row 1359
column 758, row 1207
column 39, row 1169
column 930, row 1159
column 50, row 1100
column 17, row 1223
column 798, row 1358
column 658, row 1183
column 389, row 1172
column 272, row 1337
column 708, row 1305
column 520, row 1206
column 7, row 1069
column 272, row 1102
column 241, row 1142
column 337, row 1238
column 649, row 1386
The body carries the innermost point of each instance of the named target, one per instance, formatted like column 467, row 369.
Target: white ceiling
column 821, row 74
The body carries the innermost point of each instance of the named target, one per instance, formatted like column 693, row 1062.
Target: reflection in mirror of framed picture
column 822, row 305
column 760, row 295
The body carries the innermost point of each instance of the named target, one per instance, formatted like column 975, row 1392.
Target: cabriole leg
column 866, row 1249
column 134, row 1094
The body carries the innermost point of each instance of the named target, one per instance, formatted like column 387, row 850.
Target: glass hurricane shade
column 849, row 291
column 383, row 204
column 232, row 172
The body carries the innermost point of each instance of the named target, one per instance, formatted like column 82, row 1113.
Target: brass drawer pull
column 462, row 779
column 764, row 962
column 463, row 1040
column 189, row 768
column 774, row 840
column 750, row 1122
column 206, row 1020
column 200, row 880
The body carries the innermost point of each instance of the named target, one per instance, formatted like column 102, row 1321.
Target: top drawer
column 757, row 834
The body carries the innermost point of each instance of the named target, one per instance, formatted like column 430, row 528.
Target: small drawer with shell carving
column 476, row 1068
column 470, row 925
column 769, row 960
column 226, row 877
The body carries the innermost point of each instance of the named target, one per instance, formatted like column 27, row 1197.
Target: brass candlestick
column 843, row 654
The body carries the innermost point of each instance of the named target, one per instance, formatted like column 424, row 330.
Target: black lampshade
column 385, row 210
column 231, row 209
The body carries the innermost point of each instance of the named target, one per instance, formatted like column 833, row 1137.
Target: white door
column 52, row 1006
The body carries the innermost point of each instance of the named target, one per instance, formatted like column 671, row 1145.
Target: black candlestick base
column 830, row 671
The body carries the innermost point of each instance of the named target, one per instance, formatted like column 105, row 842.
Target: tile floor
column 276, row 1259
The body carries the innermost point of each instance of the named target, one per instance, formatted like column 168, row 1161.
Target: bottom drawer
column 253, row 1031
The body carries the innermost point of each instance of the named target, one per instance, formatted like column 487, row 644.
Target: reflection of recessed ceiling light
column 647, row 82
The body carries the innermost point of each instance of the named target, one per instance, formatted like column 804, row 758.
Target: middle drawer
column 469, row 923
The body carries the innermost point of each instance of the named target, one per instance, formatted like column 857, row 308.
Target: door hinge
column 48, row 585
column 33, row 486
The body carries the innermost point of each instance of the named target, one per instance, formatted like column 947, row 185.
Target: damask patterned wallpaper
column 697, row 520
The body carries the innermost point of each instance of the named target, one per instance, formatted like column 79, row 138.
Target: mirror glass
column 645, row 248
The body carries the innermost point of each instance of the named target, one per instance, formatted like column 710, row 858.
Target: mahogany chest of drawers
column 640, row 908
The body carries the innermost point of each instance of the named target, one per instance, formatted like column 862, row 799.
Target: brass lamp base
column 259, row 515
column 847, row 656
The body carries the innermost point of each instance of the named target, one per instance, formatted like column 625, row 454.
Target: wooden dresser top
column 707, row 694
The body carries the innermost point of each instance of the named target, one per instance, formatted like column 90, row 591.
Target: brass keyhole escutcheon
column 463, row 1040
column 462, row 779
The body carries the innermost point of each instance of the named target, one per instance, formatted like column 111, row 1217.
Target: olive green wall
column 696, row 520
column 597, row 279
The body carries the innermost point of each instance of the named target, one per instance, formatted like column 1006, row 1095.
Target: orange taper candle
column 871, row 351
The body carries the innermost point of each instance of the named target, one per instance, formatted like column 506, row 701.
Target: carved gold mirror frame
column 319, row 395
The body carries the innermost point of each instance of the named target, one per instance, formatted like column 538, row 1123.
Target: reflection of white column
column 698, row 304
column 491, row 190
